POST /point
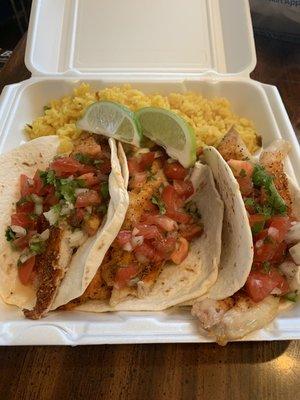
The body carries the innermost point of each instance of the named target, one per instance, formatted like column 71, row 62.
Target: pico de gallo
column 161, row 221
column 270, row 221
column 72, row 193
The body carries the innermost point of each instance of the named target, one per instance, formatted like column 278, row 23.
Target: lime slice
column 170, row 131
column 113, row 120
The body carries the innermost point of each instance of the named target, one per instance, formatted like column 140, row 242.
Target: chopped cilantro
column 48, row 177
column 257, row 227
column 292, row 296
column 37, row 247
column 10, row 234
column 56, row 208
column 261, row 178
column 96, row 162
column 150, row 175
column 84, row 158
column 66, row 188
column 192, row 209
column 242, row 173
column 266, row 267
column 23, row 200
column 104, row 190
column 102, row 208
column 46, row 108
column 249, row 202
column 159, row 203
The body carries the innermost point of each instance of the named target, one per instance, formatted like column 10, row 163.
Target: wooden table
column 241, row 371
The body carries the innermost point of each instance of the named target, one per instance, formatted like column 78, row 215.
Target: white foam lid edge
column 81, row 37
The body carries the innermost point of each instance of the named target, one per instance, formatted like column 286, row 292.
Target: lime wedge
column 113, row 120
column 170, row 131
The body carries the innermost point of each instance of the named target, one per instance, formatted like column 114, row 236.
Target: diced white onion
column 273, row 232
column 137, row 240
column 66, row 209
column 38, row 208
column 135, row 231
column 127, row 247
column 295, row 253
column 81, row 191
column 24, row 257
column 51, row 216
column 89, row 209
column 141, row 258
column 293, row 235
column 170, row 160
column 19, row 230
column 45, row 235
column 158, row 154
column 37, row 199
column 143, row 150
column 77, row 238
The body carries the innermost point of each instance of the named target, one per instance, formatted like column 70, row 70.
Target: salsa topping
column 270, row 224
column 168, row 223
column 72, row 192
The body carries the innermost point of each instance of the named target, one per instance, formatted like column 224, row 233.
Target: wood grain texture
column 240, row 371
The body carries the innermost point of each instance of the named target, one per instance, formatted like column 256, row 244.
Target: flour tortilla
column 26, row 159
column 198, row 272
column 237, row 245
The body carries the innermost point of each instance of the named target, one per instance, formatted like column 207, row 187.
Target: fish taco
column 59, row 215
column 250, row 293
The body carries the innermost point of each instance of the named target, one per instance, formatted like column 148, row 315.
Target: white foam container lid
column 205, row 46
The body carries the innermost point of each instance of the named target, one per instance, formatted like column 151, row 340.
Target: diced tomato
column 51, row 199
column 184, row 188
column 124, row 274
column 25, row 270
column 257, row 222
column 173, row 203
column 26, row 185
column 90, row 198
column 76, row 217
column 105, row 166
column 175, row 170
column 124, row 237
column 263, row 198
column 90, row 179
column 278, row 227
column 241, row 168
column 66, row 166
column 148, row 231
column 264, row 248
column 181, row 251
column 38, row 183
column 145, row 253
column 279, row 253
column 146, row 160
column 190, row 231
column 26, row 207
column 165, row 247
column 87, row 169
column 22, row 242
column 141, row 163
column 22, row 219
column 243, row 171
column 164, row 222
column 138, row 179
column 260, row 284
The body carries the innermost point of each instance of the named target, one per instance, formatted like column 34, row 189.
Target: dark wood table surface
column 241, row 371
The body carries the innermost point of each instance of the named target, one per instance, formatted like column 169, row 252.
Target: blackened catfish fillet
column 50, row 268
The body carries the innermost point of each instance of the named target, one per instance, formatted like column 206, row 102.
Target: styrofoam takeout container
column 204, row 46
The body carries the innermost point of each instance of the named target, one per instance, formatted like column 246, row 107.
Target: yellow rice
column 210, row 119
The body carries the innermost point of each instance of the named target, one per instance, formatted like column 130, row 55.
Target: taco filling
column 58, row 209
column 274, row 276
column 161, row 222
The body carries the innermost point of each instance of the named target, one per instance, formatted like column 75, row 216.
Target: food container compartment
column 220, row 68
